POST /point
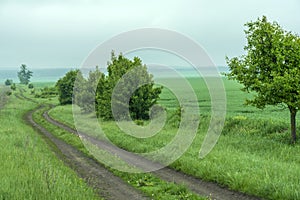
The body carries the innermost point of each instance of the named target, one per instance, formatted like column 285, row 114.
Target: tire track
column 198, row 186
column 103, row 181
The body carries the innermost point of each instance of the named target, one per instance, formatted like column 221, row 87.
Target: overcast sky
column 53, row 33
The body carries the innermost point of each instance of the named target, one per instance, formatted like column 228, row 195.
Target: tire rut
column 203, row 188
column 97, row 176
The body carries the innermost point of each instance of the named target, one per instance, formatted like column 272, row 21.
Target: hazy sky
column 54, row 33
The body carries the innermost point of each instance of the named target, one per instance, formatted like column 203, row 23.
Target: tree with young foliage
column 65, row 86
column 136, row 93
column 270, row 67
column 87, row 90
column 24, row 74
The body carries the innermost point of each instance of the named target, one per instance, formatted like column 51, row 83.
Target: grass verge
column 29, row 169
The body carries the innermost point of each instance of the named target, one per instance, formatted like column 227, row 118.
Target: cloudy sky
column 53, row 33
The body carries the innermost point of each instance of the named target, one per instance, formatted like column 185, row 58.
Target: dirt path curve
column 198, row 186
column 104, row 182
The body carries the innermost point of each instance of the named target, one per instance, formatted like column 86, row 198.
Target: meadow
column 29, row 168
column 253, row 154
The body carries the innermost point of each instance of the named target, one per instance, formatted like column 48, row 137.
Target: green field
column 29, row 168
column 253, row 154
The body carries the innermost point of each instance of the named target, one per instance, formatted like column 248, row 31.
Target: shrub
column 46, row 92
column 30, row 85
column 8, row 82
column 13, row 86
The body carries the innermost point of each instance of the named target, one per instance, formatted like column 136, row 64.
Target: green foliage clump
column 46, row 92
column 8, row 93
column 270, row 68
column 87, row 90
column 13, row 86
column 175, row 118
column 128, row 86
column 8, row 82
column 24, row 75
column 127, row 80
column 30, row 86
column 65, row 87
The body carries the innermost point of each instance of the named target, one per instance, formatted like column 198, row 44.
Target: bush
column 127, row 79
column 139, row 122
column 46, row 92
column 8, row 82
column 65, row 87
column 8, row 93
column 175, row 118
column 30, row 85
column 13, row 86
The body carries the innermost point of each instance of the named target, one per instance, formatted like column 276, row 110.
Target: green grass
column 147, row 183
column 253, row 154
column 29, row 169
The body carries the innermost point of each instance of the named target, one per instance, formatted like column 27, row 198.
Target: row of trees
column 127, row 82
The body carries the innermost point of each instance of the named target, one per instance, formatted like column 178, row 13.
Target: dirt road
column 103, row 181
column 198, row 186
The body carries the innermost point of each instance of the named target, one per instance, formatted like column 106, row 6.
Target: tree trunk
column 293, row 113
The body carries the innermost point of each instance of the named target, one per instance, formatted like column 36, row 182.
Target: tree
column 65, row 87
column 8, row 82
column 138, row 87
column 24, row 74
column 270, row 67
column 88, row 90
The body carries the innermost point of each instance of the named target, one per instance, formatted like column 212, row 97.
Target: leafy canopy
column 271, row 66
column 65, row 87
column 131, row 87
column 24, row 75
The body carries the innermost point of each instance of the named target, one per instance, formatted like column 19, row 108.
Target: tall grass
column 29, row 169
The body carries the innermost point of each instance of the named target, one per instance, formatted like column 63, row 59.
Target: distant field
column 253, row 154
